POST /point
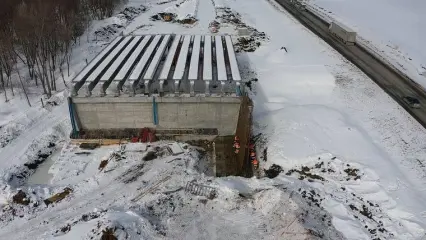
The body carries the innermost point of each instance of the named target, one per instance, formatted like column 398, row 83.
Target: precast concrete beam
column 146, row 83
column 207, row 87
column 88, row 91
column 192, row 87
column 177, row 86
column 131, row 88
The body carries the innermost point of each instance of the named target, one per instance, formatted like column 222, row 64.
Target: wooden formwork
column 243, row 132
column 227, row 162
column 101, row 142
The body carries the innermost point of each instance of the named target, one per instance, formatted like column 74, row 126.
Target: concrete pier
column 173, row 113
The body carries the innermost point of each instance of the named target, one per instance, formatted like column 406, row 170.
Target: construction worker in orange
column 251, row 146
column 236, row 145
column 255, row 163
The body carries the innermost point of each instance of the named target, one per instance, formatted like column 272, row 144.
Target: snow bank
column 186, row 10
column 300, row 84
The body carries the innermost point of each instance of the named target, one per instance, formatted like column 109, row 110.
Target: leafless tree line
column 40, row 34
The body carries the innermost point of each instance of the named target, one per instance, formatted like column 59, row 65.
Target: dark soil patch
column 273, row 171
column 151, row 155
column 304, row 172
column 66, row 228
column 103, row 164
column 128, row 14
column 105, row 33
column 21, row 198
column 108, row 234
column 41, row 157
column 131, row 13
column 366, row 212
column 353, row 172
column 167, row 17
column 244, row 44
column 312, row 196
column 155, row 17
column 249, row 84
column 190, row 21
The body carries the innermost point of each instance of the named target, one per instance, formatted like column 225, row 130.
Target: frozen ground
column 353, row 161
column 393, row 28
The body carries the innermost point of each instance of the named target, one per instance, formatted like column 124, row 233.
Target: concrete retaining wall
column 173, row 112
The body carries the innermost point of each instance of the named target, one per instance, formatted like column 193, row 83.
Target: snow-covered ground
column 392, row 28
column 353, row 160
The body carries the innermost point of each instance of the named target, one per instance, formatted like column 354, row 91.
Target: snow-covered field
column 354, row 162
column 392, row 28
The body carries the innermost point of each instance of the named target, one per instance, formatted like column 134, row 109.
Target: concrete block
column 106, row 117
column 90, row 126
column 142, row 124
column 104, row 107
column 124, row 124
column 169, row 100
column 124, row 107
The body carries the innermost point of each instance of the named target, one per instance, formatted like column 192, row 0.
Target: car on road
column 412, row 101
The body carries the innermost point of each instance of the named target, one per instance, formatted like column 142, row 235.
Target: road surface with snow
column 393, row 28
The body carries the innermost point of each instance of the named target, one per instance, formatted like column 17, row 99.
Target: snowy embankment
column 391, row 29
column 353, row 161
column 334, row 129
column 185, row 10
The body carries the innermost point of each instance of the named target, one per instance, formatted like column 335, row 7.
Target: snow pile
column 185, row 10
column 113, row 25
column 136, row 199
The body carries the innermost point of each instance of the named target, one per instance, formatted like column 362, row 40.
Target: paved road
column 392, row 82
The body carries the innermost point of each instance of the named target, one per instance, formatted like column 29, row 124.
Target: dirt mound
column 21, row 198
column 304, row 172
column 105, row 33
column 108, row 234
column 244, row 44
column 189, row 20
column 130, row 13
column 163, row 16
column 273, row 171
column 124, row 18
